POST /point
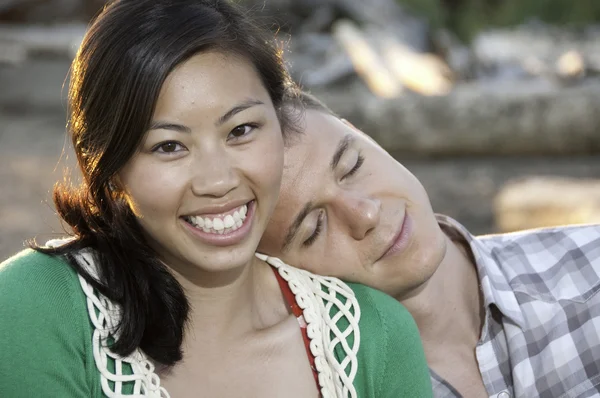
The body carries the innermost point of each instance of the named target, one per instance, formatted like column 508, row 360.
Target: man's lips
column 400, row 239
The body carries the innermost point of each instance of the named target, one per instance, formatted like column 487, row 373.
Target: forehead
column 307, row 160
column 321, row 134
column 306, row 173
column 209, row 80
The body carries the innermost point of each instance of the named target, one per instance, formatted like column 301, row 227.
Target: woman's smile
column 222, row 229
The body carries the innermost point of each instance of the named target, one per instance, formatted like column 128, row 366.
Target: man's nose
column 213, row 175
column 361, row 213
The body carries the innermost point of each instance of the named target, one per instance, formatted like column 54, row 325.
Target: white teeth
column 221, row 226
column 218, row 224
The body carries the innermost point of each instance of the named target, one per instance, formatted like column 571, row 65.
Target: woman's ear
column 119, row 194
column 115, row 185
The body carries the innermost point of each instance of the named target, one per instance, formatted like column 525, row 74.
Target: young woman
column 176, row 120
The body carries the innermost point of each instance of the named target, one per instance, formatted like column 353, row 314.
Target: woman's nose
column 214, row 175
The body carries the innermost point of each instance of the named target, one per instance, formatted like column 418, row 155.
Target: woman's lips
column 226, row 239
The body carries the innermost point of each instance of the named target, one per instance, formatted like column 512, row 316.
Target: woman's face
column 206, row 177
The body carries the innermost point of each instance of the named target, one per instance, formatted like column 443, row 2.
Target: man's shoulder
column 557, row 263
column 560, row 237
column 555, row 276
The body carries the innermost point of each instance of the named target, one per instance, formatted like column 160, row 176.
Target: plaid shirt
column 541, row 333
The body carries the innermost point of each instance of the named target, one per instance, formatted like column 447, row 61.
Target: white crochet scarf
column 315, row 295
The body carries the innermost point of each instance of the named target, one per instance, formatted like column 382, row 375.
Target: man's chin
column 412, row 292
column 409, row 279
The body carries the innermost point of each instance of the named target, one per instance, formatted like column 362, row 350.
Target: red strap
column 298, row 313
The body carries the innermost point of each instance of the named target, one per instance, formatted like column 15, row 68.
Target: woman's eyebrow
column 163, row 125
column 237, row 109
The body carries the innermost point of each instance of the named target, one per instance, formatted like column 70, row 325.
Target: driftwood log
column 537, row 49
column 517, row 117
column 547, row 201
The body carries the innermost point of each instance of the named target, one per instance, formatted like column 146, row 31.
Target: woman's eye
column 359, row 162
column 242, row 130
column 168, row 147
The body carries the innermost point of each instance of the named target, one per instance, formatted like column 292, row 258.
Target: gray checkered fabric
column 541, row 334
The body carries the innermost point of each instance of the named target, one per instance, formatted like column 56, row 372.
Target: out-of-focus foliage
column 468, row 17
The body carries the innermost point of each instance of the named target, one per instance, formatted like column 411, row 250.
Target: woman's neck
column 233, row 303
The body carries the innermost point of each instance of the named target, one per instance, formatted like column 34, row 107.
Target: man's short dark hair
column 309, row 101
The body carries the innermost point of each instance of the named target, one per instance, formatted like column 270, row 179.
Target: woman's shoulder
column 380, row 310
column 391, row 357
column 44, row 322
column 34, row 285
column 31, row 272
column 374, row 339
column 42, row 293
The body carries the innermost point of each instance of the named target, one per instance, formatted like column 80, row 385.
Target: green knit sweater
column 46, row 337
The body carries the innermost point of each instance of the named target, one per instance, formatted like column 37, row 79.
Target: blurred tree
column 468, row 17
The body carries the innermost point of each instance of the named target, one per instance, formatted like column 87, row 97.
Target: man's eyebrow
column 341, row 148
column 295, row 225
column 237, row 109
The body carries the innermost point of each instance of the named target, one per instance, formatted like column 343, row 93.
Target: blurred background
column 493, row 104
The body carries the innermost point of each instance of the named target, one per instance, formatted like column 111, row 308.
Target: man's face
column 348, row 209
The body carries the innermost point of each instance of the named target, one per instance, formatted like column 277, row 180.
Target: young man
column 513, row 315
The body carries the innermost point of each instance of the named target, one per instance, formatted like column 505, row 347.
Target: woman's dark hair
column 115, row 81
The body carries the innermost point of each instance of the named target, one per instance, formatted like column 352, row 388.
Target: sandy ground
column 32, row 138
